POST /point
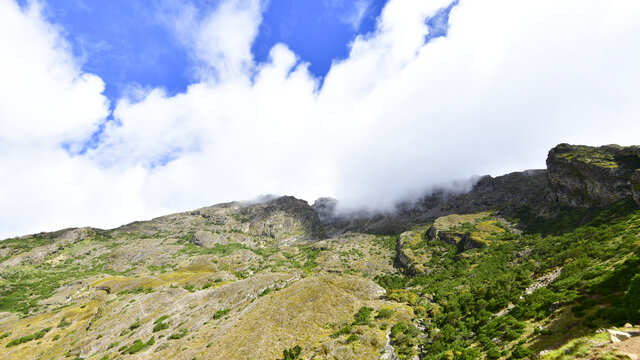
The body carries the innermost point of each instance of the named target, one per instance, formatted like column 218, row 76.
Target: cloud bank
column 395, row 118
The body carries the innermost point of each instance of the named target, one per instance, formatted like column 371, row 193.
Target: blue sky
column 127, row 42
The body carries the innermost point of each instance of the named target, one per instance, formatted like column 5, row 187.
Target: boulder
column 616, row 336
column 208, row 239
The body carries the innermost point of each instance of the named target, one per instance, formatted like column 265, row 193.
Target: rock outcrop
column 584, row 176
column 270, row 220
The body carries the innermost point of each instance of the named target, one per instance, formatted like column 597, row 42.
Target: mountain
column 529, row 264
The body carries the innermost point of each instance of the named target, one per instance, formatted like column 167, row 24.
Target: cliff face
column 583, row 176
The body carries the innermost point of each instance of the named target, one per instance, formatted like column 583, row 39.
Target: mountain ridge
column 524, row 264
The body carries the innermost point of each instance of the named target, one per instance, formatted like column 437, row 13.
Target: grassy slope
column 472, row 301
column 463, row 304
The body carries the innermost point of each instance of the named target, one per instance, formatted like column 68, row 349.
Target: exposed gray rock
column 584, row 176
column 208, row 239
column 59, row 240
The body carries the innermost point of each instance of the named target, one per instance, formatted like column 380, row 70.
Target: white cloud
column 357, row 14
column 44, row 96
column 510, row 80
column 46, row 100
column 220, row 39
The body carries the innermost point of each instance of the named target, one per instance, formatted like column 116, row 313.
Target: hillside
column 529, row 264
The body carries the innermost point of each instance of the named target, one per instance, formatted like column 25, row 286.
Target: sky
column 118, row 111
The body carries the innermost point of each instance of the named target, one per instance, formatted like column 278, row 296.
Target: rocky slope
column 524, row 264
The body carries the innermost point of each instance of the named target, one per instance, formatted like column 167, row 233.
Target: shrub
column 24, row 339
column 291, row 354
column 384, row 313
column 138, row 346
column 494, row 353
column 343, row 331
column 265, row 292
column 138, row 290
column 160, row 326
column 351, row 338
column 179, row 335
column 135, row 325
column 632, row 300
column 38, row 335
column 64, row 323
column 161, row 319
column 520, row 352
column 363, row 316
column 220, row 313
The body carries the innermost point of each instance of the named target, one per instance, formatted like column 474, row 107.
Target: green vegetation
column 291, row 354
column 632, row 300
column 265, row 292
column 21, row 245
column 38, row 335
column 159, row 323
column 179, row 335
column 135, row 325
column 161, row 319
column 384, row 314
column 596, row 250
column 160, row 326
column 220, row 313
column 23, row 286
column 479, row 290
column 363, row 316
column 191, row 249
column 138, row 290
column 64, row 323
column 346, row 329
column 405, row 339
column 137, row 346
column 351, row 338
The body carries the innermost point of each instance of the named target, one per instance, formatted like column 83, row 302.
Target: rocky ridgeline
column 267, row 221
column 577, row 176
column 506, row 193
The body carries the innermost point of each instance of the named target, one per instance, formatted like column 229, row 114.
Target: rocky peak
column 283, row 218
column 325, row 207
column 585, row 176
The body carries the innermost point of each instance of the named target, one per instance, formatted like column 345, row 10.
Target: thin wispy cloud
column 357, row 14
column 396, row 117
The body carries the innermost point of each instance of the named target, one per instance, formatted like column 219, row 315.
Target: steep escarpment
column 584, row 176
